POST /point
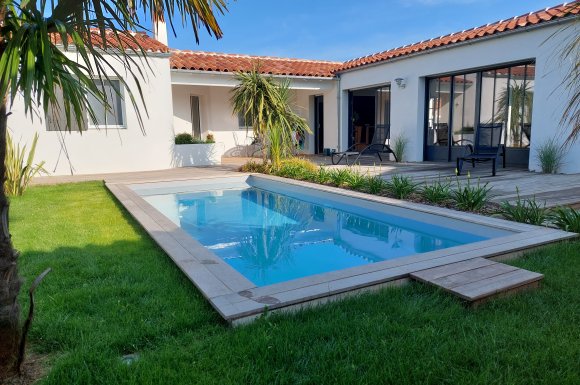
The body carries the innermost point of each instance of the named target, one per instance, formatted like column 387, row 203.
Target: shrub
column 524, row 211
column 400, row 146
column 375, row 184
column 19, row 167
column 401, row 187
column 471, row 198
column 550, row 155
column 252, row 166
column 184, row 138
column 297, row 168
column 437, row 191
column 566, row 219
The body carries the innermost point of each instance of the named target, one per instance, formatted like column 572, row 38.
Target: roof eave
column 459, row 44
column 224, row 73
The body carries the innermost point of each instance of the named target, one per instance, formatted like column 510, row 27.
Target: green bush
column 297, row 168
column 550, row 155
column 471, row 198
column 184, row 138
column 252, row 166
column 566, row 218
column 524, row 211
column 401, row 187
column 436, row 192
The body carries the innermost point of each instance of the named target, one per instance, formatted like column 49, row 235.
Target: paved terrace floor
column 555, row 190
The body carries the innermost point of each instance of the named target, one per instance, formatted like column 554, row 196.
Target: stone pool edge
column 239, row 301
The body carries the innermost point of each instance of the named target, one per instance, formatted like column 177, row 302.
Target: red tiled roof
column 222, row 62
column 128, row 40
column 532, row 18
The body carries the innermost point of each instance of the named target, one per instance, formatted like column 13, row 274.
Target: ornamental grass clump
column 566, row 218
column 20, row 167
column 469, row 197
column 357, row 181
column 322, row 176
column 550, row 155
column 375, row 185
column 401, row 187
column 436, row 192
column 340, row 177
column 400, row 144
column 524, row 211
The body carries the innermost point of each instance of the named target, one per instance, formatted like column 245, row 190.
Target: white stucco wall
column 214, row 92
column 408, row 103
column 109, row 150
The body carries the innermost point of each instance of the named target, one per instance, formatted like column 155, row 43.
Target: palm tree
column 32, row 65
column 267, row 105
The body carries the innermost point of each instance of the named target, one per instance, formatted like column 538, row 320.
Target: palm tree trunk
column 9, row 279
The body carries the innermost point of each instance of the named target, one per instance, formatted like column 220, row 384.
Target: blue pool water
column 269, row 237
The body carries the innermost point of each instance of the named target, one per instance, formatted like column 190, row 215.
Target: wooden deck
column 479, row 279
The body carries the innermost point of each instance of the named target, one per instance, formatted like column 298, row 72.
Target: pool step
column 479, row 279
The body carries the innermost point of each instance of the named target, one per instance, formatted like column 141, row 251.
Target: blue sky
column 345, row 29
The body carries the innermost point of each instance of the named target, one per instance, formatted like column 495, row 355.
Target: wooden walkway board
column 478, row 279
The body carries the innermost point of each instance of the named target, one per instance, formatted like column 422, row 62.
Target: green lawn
column 114, row 292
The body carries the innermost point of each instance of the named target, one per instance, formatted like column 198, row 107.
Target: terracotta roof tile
column 128, row 41
column 222, row 62
column 544, row 15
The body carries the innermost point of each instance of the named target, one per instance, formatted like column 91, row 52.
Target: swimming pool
column 254, row 242
column 270, row 235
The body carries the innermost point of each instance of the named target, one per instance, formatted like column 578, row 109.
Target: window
column 503, row 95
column 113, row 117
column 243, row 122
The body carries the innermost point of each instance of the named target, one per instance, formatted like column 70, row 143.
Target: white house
column 434, row 92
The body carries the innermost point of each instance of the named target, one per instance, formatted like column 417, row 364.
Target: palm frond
column 39, row 37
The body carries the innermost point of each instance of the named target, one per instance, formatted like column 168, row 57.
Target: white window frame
column 91, row 125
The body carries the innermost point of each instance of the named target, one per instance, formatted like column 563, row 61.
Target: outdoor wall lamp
column 401, row 82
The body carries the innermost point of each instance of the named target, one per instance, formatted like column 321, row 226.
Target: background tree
column 34, row 68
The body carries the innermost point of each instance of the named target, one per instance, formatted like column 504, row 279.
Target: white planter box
column 187, row 155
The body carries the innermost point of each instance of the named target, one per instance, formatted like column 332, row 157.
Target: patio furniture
column 379, row 145
column 487, row 147
column 441, row 134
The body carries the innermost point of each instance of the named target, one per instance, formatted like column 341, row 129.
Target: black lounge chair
column 487, row 147
column 379, row 145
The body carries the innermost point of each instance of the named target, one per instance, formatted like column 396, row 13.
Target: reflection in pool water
column 269, row 237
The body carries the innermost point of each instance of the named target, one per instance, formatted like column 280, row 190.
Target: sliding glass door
column 456, row 104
